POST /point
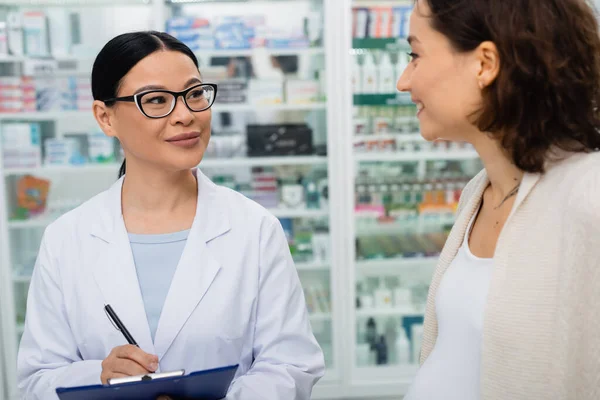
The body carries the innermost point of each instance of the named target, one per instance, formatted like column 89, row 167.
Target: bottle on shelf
column 402, row 346
column 387, row 74
column 369, row 75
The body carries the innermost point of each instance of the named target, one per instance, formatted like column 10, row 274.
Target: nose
column 181, row 114
column 403, row 84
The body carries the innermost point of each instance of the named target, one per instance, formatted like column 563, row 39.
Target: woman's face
column 442, row 82
column 153, row 142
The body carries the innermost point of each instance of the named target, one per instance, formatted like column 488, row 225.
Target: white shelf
column 72, row 3
column 393, row 266
column 207, row 163
column 46, row 115
column 387, row 312
column 259, row 51
column 417, row 156
column 42, row 221
column 262, row 161
column 54, row 115
column 45, row 169
column 268, row 107
column 320, row 316
column 298, row 213
column 20, row 329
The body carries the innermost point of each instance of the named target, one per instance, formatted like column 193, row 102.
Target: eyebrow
column 412, row 39
column 160, row 87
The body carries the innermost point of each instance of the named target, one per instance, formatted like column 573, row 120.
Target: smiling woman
column 513, row 310
column 201, row 276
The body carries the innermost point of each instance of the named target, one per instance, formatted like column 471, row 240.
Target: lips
column 184, row 136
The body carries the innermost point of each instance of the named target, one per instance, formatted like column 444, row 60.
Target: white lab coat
column 235, row 298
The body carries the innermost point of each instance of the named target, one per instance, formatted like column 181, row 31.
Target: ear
column 488, row 63
column 105, row 117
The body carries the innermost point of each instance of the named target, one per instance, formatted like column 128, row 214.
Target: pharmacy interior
column 307, row 122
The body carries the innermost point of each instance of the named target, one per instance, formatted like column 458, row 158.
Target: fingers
column 127, row 361
column 134, row 353
column 127, row 367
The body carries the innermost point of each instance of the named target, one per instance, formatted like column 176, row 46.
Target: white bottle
column 357, row 73
column 369, row 75
column 387, row 74
column 383, row 295
column 402, row 346
column 417, row 340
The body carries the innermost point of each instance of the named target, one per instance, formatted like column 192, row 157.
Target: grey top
column 156, row 258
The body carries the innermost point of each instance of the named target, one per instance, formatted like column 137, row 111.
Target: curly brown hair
column 547, row 92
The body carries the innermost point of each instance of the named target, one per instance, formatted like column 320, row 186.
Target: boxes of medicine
column 299, row 91
column 35, row 31
column 21, row 145
column 266, row 92
column 278, row 140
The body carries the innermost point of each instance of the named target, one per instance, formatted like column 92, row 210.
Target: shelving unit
column 342, row 270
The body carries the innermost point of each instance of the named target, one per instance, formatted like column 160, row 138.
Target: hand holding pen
column 127, row 360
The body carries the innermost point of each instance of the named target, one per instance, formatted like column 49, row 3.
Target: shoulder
column 578, row 177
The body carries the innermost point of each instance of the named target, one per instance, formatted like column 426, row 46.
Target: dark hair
column 547, row 91
column 122, row 53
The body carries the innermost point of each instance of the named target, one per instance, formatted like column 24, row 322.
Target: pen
column 119, row 325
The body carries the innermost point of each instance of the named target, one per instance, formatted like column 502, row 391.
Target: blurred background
column 307, row 122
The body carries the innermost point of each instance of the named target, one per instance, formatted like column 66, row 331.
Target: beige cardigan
column 541, row 331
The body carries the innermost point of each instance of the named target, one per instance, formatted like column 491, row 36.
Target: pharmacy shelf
column 299, row 213
column 451, row 155
column 387, row 372
column 54, row 115
column 392, row 266
column 7, row 58
column 262, row 161
column 45, row 115
column 207, row 163
column 320, row 316
column 269, row 107
column 209, row 53
column 387, row 312
column 43, row 221
column 72, row 3
column 54, row 169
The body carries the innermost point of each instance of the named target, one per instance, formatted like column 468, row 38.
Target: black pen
column 119, row 325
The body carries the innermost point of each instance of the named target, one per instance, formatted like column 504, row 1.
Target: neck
column 148, row 188
column 503, row 174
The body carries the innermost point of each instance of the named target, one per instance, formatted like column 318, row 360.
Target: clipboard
column 201, row 385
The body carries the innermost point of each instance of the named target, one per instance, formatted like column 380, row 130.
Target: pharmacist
column 200, row 276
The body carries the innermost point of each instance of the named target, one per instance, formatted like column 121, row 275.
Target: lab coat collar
column 116, row 274
column 211, row 214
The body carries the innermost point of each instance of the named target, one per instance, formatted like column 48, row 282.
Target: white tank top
column 452, row 370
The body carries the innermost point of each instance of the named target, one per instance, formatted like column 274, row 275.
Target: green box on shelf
column 389, row 44
column 391, row 99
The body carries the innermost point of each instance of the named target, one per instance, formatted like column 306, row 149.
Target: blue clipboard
column 202, row 385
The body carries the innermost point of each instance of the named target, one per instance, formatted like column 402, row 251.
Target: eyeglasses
column 160, row 103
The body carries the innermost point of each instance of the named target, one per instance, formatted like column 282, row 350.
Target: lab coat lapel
column 115, row 271
column 197, row 268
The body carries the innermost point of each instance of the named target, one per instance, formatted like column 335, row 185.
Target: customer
column 514, row 307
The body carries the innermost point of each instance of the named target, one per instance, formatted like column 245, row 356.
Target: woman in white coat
column 201, row 276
